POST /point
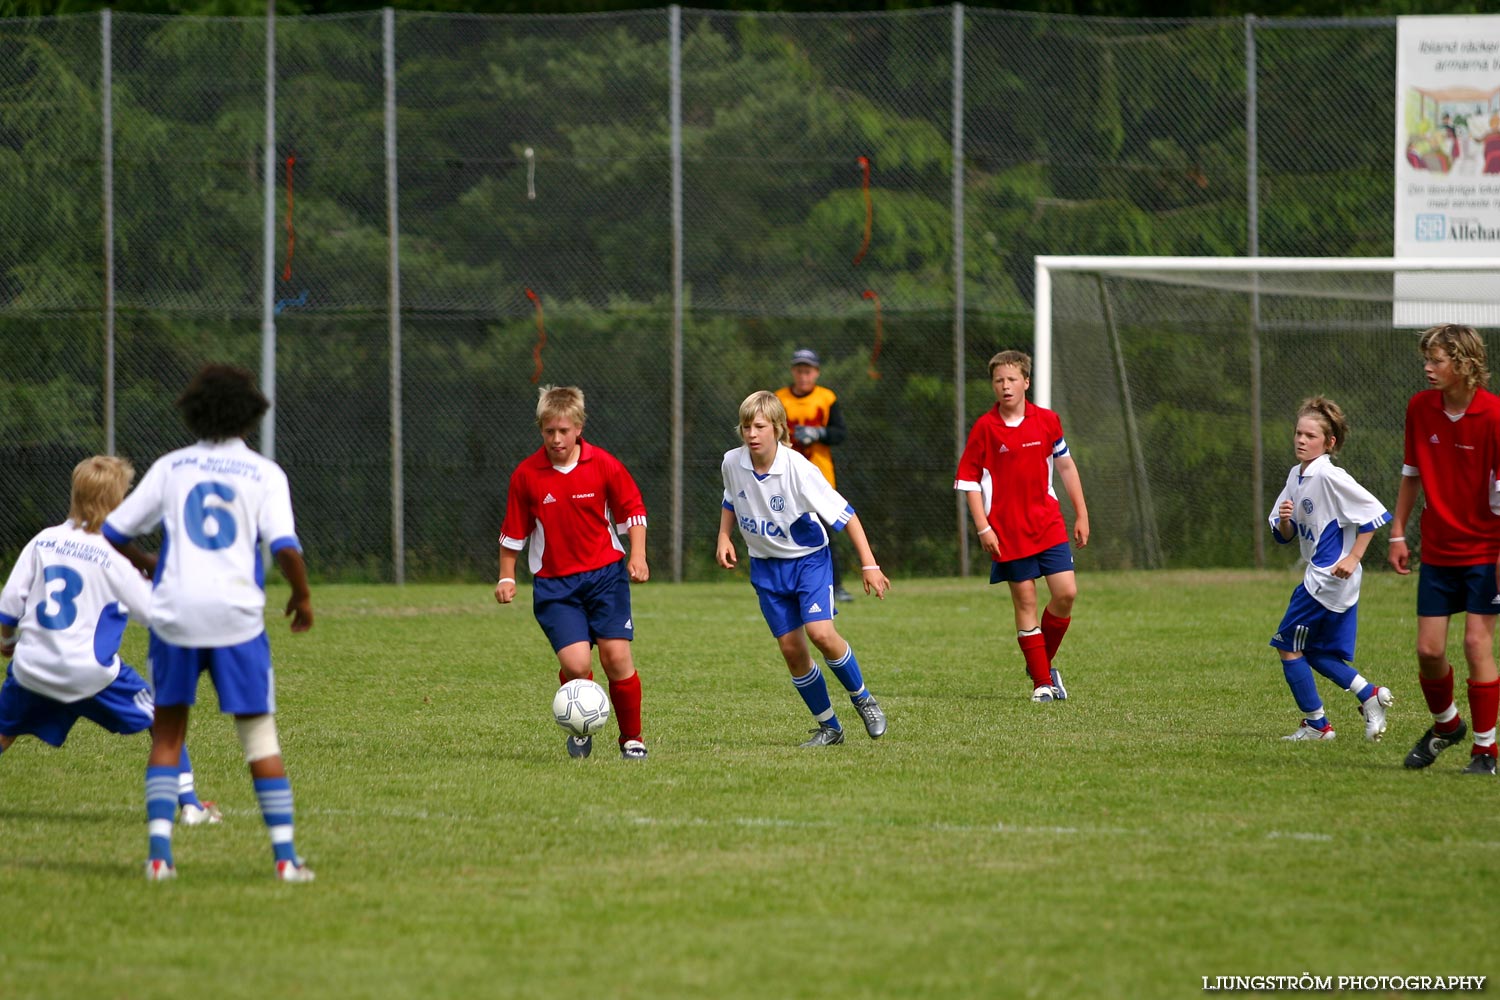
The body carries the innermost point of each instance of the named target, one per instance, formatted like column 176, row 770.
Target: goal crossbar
column 1046, row 265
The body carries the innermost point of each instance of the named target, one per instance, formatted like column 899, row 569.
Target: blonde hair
column 1018, row 359
column 560, row 401
column 99, row 484
column 1463, row 345
column 765, row 404
column 1331, row 416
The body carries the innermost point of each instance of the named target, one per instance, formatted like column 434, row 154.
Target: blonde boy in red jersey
column 571, row 500
column 1006, row 471
column 1451, row 455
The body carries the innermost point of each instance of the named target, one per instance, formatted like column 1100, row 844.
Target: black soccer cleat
column 1433, row 743
column 1481, row 763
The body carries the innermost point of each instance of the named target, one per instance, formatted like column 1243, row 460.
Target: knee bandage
column 258, row 737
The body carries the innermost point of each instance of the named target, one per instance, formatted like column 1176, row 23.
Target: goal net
column 1178, row 381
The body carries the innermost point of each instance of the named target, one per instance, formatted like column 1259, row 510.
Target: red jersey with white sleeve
column 572, row 516
column 1018, row 460
column 1456, row 461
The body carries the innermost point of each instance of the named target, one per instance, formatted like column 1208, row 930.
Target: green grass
column 1148, row 832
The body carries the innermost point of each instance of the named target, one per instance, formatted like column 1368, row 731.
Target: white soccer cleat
column 158, row 870
column 1043, row 694
column 1309, row 732
column 1373, row 709
column 199, row 815
column 293, row 871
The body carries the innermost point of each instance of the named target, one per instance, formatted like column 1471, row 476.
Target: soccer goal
column 1178, row 379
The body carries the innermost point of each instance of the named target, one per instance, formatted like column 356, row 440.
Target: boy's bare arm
column 875, row 581
column 724, row 548
column 299, row 606
column 636, row 564
column 1399, row 555
column 1067, row 471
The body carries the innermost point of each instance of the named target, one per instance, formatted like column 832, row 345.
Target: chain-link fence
column 657, row 206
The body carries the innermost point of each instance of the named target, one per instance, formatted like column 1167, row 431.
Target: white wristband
column 866, row 568
column 1399, row 538
column 983, row 530
column 505, row 579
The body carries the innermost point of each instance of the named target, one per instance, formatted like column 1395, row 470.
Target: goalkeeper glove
column 805, row 435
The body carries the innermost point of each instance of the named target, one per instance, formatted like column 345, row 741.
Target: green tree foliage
column 1123, row 137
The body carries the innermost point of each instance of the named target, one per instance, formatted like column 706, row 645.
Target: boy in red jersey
column 1450, row 458
column 1006, row 470
column 571, row 500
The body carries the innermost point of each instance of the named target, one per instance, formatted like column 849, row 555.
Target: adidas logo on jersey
column 742, row 495
column 1433, row 439
column 629, row 623
column 549, row 498
column 813, row 608
column 1004, row 450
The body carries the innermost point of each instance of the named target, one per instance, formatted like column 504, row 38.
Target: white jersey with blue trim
column 215, row 502
column 1329, row 510
column 69, row 595
column 782, row 513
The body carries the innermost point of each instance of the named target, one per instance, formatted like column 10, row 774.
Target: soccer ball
column 581, row 707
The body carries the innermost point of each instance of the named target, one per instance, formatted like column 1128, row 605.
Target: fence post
column 268, row 249
column 393, row 303
column 1252, row 234
column 960, row 401
column 107, row 183
column 678, row 486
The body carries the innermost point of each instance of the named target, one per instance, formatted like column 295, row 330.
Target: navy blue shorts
column 242, row 674
column 584, row 607
column 1058, row 559
column 794, row 591
column 124, row 707
column 1443, row 591
column 1308, row 625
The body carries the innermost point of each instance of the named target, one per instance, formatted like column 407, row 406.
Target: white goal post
column 1172, row 374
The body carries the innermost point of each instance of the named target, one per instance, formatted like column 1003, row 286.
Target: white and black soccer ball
column 581, row 707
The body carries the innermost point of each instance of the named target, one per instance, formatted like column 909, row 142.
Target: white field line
column 417, row 814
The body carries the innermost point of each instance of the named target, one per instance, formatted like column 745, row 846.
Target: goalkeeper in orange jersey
column 816, row 424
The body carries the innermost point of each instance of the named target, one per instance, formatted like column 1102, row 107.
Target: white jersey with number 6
column 69, row 595
column 215, row 501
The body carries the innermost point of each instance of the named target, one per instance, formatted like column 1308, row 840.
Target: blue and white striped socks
column 814, row 691
column 161, row 807
column 275, row 795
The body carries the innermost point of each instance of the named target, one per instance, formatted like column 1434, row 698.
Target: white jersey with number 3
column 69, row 595
column 1329, row 509
column 215, row 502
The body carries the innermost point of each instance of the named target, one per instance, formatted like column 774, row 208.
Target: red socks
column 1034, row 648
column 1053, row 630
column 1484, row 705
column 625, row 696
column 1439, row 695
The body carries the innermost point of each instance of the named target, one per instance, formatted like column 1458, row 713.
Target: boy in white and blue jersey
column 1334, row 519
column 782, row 503
column 63, row 612
column 215, row 503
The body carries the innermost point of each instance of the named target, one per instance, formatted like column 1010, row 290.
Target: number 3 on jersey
column 209, row 527
column 67, row 610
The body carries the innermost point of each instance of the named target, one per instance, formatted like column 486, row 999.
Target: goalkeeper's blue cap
column 806, row 357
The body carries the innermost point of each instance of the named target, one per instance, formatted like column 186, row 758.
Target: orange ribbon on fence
column 291, row 233
column 541, row 336
column 864, row 247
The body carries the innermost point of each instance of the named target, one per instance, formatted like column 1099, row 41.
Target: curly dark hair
column 222, row 402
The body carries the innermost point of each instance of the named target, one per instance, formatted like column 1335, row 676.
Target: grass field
column 1150, row 831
